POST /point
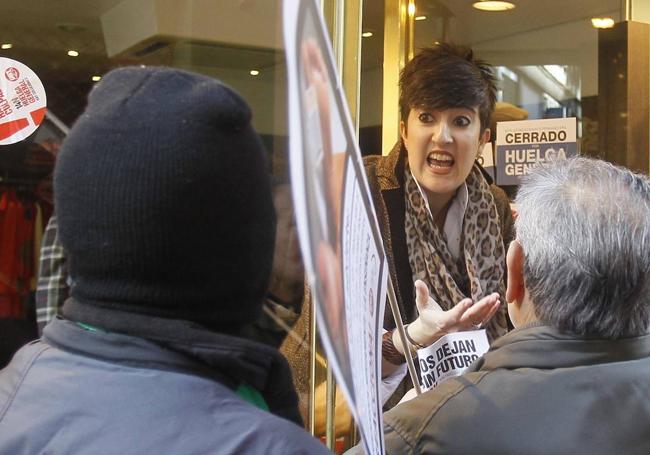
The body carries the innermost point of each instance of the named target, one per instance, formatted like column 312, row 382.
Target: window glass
column 371, row 85
column 70, row 45
column 545, row 54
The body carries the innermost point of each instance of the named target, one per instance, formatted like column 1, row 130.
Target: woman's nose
column 441, row 133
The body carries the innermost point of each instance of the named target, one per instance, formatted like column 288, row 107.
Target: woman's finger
column 421, row 295
column 492, row 312
column 455, row 315
column 423, row 300
column 480, row 310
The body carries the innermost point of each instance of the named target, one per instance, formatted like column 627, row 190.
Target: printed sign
column 522, row 144
column 450, row 356
column 22, row 101
column 486, row 159
column 337, row 226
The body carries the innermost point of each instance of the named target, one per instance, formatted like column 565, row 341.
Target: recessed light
column 7, row 46
column 254, row 72
column 420, row 18
column 602, row 22
column 366, row 34
column 96, row 78
column 490, row 5
column 73, row 53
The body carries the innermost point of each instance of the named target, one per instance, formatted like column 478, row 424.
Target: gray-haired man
column 574, row 376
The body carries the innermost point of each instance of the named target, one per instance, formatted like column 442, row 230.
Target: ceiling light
column 420, row 18
column 490, row 5
column 254, row 72
column 73, row 53
column 7, row 46
column 411, row 9
column 366, row 34
column 602, row 22
column 96, row 78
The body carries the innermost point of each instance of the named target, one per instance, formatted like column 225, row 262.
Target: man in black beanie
column 164, row 208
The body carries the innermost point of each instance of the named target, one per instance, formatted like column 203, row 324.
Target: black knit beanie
column 163, row 199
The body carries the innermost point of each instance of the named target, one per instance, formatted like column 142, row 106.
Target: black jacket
column 84, row 391
column 537, row 391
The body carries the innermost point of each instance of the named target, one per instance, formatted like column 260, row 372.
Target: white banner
column 450, row 356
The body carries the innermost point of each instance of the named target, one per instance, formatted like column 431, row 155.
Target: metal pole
column 392, row 300
column 330, row 434
column 626, row 10
column 312, row 367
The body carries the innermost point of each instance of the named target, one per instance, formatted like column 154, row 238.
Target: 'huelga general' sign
column 522, row 144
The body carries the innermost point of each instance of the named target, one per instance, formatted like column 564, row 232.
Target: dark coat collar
column 177, row 345
column 390, row 169
column 545, row 347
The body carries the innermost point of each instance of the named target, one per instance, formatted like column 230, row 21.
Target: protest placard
column 337, row 227
column 522, row 144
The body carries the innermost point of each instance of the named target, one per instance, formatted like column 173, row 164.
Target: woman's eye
column 462, row 121
column 425, row 117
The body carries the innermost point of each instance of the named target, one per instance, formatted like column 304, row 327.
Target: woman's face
column 442, row 146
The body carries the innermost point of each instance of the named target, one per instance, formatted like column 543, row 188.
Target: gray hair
column 584, row 226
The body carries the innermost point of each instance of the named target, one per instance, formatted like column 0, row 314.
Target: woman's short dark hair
column 445, row 76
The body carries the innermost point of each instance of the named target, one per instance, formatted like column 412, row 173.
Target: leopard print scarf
column 480, row 269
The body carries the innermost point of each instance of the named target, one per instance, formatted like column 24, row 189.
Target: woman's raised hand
column 434, row 322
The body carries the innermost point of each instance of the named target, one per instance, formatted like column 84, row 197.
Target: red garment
column 16, row 254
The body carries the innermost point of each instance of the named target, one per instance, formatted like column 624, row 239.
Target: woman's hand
column 433, row 322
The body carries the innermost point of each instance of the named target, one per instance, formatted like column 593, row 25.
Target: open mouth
column 440, row 160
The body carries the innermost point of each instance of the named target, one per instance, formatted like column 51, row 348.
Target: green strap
column 251, row 395
column 88, row 327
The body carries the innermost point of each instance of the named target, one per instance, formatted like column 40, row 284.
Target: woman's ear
column 482, row 140
column 485, row 137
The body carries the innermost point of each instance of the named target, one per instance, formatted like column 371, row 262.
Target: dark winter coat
column 83, row 391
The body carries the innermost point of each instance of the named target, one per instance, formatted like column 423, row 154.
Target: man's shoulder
column 406, row 423
column 276, row 435
column 151, row 401
column 431, row 402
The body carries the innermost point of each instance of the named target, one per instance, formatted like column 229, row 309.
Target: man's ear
column 515, row 262
column 402, row 130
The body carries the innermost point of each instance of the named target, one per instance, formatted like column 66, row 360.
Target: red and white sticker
column 22, row 101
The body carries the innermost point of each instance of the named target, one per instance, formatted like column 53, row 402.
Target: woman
column 442, row 223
